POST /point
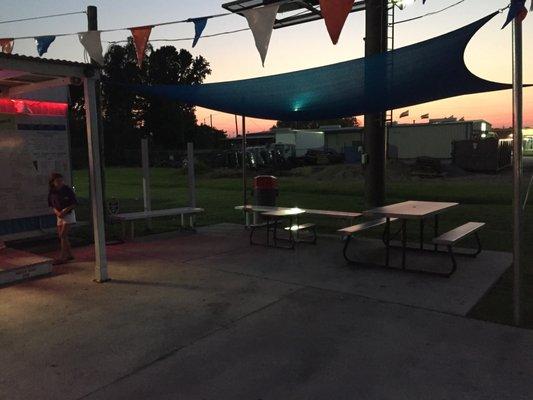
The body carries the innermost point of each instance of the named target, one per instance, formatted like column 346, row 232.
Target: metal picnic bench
column 171, row 212
column 415, row 211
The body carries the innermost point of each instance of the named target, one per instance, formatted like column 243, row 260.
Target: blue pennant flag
column 517, row 9
column 199, row 26
column 43, row 43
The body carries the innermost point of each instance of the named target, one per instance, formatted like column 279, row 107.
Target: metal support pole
column 244, row 194
column 517, row 168
column 375, row 130
column 95, row 178
column 191, row 176
column 147, row 197
column 92, row 25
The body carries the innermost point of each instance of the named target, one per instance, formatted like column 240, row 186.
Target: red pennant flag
column 335, row 13
column 6, row 45
column 140, row 35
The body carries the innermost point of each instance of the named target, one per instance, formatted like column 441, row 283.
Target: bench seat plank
column 328, row 213
column 156, row 213
column 334, row 214
column 300, row 227
column 364, row 226
column 453, row 236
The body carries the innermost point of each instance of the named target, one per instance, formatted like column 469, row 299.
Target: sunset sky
column 234, row 56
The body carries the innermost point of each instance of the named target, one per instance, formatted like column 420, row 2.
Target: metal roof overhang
column 21, row 74
column 301, row 11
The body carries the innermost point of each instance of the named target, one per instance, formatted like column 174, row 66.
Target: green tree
column 172, row 123
column 126, row 115
column 122, row 111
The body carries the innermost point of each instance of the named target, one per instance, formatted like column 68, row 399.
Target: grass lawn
column 484, row 200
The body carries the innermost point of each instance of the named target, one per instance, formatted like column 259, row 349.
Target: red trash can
column 265, row 190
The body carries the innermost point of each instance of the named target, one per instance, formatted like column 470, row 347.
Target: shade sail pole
column 375, row 130
column 95, row 178
column 244, row 195
column 517, row 168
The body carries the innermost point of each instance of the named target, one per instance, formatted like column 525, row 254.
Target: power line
column 430, row 13
column 181, row 21
column 184, row 39
column 42, row 17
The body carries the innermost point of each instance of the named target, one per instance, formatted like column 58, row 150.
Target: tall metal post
column 92, row 25
column 147, row 197
column 375, row 130
column 95, row 179
column 517, row 168
column 244, row 194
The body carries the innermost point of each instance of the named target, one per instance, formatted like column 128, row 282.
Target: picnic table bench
column 418, row 211
column 123, row 218
column 256, row 210
column 274, row 219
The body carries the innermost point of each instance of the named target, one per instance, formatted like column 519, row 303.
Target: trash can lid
column 265, row 182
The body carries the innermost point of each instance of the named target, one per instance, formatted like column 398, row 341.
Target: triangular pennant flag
column 199, row 26
column 43, row 43
column 140, row 35
column 6, row 45
column 93, row 45
column 261, row 22
column 518, row 10
column 335, row 13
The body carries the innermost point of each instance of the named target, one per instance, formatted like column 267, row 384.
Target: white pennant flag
column 93, row 45
column 261, row 22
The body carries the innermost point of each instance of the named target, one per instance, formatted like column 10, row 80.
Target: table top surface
column 284, row 213
column 411, row 209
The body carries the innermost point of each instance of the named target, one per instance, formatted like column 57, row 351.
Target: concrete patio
column 206, row 316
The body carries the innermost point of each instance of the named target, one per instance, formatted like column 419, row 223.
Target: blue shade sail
column 423, row 72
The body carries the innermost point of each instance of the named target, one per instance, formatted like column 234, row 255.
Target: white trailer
column 301, row 140
column 435, row 140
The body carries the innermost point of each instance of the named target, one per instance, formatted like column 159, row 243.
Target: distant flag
column 261, row 22
column 425, row 116
column 199, row 26
column 6, row 45
column 404, row 114
column 518, row 10
column 43, row 43
column 140, row 35
column 92, row 44
column 335, row 13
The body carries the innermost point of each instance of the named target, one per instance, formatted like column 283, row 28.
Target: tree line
column 126, row 116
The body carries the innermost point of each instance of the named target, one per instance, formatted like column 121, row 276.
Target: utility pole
column 244, row 177
column 517, row 169
column 211, row 119
column 375, row 126
column 92, row 25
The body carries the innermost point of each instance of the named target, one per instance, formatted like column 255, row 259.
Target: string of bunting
column 260, row 21
column 92, row 43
